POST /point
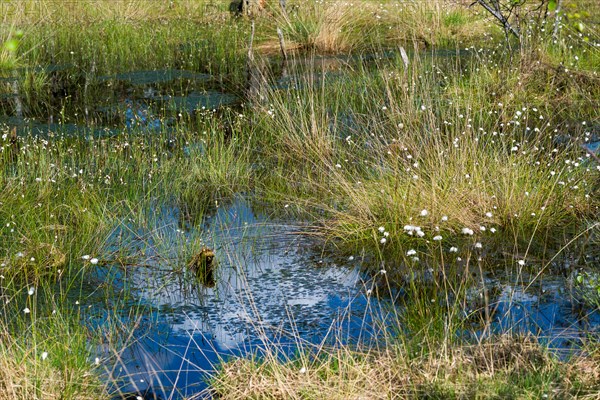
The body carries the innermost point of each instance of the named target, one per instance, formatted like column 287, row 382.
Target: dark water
column 272, row 287
column 75, row 101
column 550, row 308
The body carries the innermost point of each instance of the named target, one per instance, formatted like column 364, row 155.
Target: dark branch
column 498, row 15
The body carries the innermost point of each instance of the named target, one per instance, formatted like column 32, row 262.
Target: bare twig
column 250, row 50
column 557, row 19
column 281, row 43
column 16, row 96
column 497, row 13
column 404, row 57
column 88, row 78
column 282, row 4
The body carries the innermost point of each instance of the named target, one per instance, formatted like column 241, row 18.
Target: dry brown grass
column 339, row 375
column 476, row 371
column 328, row 26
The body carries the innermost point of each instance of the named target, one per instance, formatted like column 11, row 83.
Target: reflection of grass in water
column 217, row 169
column 419, row 354
column 587, row 288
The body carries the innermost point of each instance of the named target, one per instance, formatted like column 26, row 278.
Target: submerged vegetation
column 419, row 137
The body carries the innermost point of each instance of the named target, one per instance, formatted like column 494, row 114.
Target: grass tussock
column 44, row 354
column 432, row 148
column 505, row 366
column 328, row 27
column 218, row 170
